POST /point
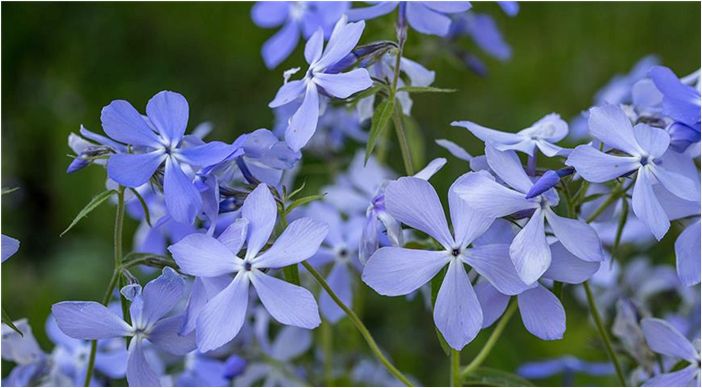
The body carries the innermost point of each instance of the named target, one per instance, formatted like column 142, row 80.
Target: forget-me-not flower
column 529, row 250
column 318, row 81
column 543, row 135
column 297, row 18
column 157, row 139
column 148, row 311
column 396, row 271
column 643, row 147
column 202, row 255
column 664, row 339
column 427, row 17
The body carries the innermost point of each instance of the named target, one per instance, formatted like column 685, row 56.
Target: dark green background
column 63, row 62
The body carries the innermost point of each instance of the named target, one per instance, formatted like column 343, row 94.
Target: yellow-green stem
column 455, row 368
column 492, row 340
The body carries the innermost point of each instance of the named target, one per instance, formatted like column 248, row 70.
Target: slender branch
column 603, row 333
column 116, row 275
column 616, row 194
column 359, row 325
column 456, row 368
column 485, row 351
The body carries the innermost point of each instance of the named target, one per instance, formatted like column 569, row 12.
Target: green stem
column 119, row 224
column 455, row 368
column 359, row 325
column 485, row 351
column 616, row 194
column 397, row 115
column 603, row 333
column 328, row 349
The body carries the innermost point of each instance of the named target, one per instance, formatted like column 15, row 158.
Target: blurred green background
column 63, row 62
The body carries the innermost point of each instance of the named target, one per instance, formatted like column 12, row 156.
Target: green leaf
column 144, row 206
column 303, row 201
column 8, row 321
column 292, row 274
column 424, row 89
column 95, row 202
column 296, row 191
column 381, row 118
column 10, row 190
column 592, row 197
column 368, row 92
column 490, row 377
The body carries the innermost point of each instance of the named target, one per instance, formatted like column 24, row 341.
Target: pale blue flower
column 664, row 339
column 427, row 17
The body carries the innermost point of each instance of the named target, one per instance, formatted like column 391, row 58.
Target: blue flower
column 303, row 122
column 681, row 103
column 158, row 139
column 542, row 135
column 396, row 271
column 529, row 250
column 567, row 366
column 297, row 18
column 664, row 339
column 644, row 147
column 201, row 255
column 427, row 17
column 148, row 310
column 687, row 254
column 32, row 364
column 10, row 246
column 202, row 370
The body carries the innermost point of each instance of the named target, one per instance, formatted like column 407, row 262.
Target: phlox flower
column 32, row 364
column 427, row 17
column 566, row 366
column 10, row 246
column 204, row 256
column 681, row 102
column 543, row 135
column 644, row 148
column 664, row 339
column 529, row 250
column 204, row 371
column 150, row 324
column 159, row 139
column 296, row 18
column 303, row 122
column 396, row 271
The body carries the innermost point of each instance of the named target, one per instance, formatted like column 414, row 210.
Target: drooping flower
column 427, row 17
column 396, row 271
column 542, row 135
column 529, row 250
column 90, row 148
column 296, row 18
column 159, row 139
column 644, row 148
column 10, row 246
column 318, row 81
column 664, row 339
column 148, row 312
column 204, row 256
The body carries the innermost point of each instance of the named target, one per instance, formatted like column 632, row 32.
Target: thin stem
column 116, row 275
column 359, row 325
column 328, row 349
column 485, row 351
column 397, row 114
column 603, row 333
column 456, row 368
column 616, row 194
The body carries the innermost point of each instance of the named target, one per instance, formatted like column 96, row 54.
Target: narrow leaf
column 490, row 377
column 425, row 89
column 95, row 202
column 381, row 118
column 144, row 206
column 8, row 321
column 302, row 201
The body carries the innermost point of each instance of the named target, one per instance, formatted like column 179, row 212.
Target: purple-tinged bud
column 401, row 26
column 343, row 64
column 366, row 54
column 78, row 163
column 681, row 136
column 234, row 366
column 547, row 181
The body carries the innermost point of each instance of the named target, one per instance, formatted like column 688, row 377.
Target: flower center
column 455, row 252
column 247, row 266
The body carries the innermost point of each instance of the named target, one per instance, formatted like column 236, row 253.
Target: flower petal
column 488, row 135
column 678, row 184
column 343, row 39
column 298, row 242
column 610, row 124
column 303, row 123
column 457, row 312
column 222, row 317
column 596, row 166
column 201, row 255
column 133, row 170
column 454, row 149
column 139, row 372
column 279, row 46
column 169, row 112
column 663, row 338
column 529, row 251
column 88, row 320
column 287, row 303
column 448, row 6
column 576, row 236
column 166, row 336
column 414, row 202
column 162, row 294
column 485, row 195
column 654, row 141
column 234, row 236
column 492, row 302
column 395, row 271
column 269, row 14
column 206, row 154
column 260, row 210
column 686, row 377
column 542, row 313
column 687, row 254
column 371, row 12
column 289, row 92
column 10, row 246
column 646, row 205
column 493, row 262
column 343, row 85
column 567, row 268
column 468, row 223
column 314, row 46
column 183, row 200
column 123, row 123
column 507, row 166
column 427, row 21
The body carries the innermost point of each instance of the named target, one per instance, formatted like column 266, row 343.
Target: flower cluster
column 237, row 243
